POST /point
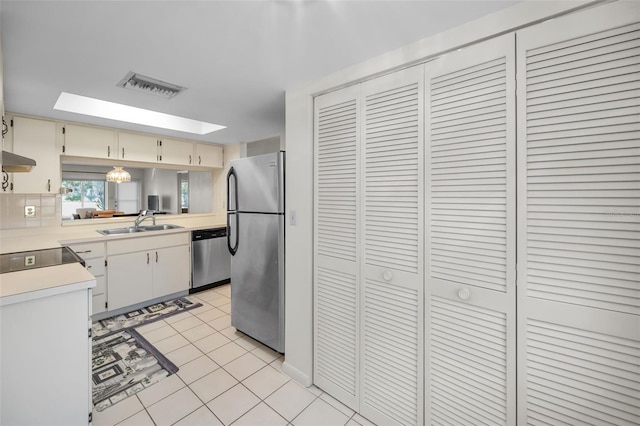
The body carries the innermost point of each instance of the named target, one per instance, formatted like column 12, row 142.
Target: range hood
column 14, row 163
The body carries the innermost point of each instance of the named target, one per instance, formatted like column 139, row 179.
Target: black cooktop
column 24, row 260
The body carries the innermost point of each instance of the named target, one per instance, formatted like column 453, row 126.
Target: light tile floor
column 225, row 378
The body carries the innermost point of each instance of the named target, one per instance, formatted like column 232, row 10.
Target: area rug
column 143, row 316
column 124, row 363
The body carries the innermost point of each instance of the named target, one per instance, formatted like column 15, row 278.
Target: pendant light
column 118, row 175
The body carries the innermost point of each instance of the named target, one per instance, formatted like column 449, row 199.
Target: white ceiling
column 236, row 58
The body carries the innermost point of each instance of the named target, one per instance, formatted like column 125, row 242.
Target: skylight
column 114, row 111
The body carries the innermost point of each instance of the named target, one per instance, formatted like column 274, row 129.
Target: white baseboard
column 304, row 379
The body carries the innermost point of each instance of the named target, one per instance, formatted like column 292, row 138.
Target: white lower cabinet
column 130, row 279
column 146, row 268
column 170, row 270
column 45, row 359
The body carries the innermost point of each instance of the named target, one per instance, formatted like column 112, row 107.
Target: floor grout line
column 248, row 347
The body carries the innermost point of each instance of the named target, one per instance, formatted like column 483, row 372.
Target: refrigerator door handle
column 232, row 249
column 232, row 172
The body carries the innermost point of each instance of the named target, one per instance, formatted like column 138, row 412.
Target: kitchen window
column 84, row 194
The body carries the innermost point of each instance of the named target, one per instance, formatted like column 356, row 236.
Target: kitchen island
column 45, row 346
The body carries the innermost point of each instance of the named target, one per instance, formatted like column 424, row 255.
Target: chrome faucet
column 144, row 214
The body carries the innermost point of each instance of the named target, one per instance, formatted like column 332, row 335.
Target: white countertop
column 26, row 285
column 21, row 286
column 78, row 231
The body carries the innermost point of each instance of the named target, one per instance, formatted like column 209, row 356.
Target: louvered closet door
column 470, row 234
column 392, row 296
column 579, row 219
column 336, row 242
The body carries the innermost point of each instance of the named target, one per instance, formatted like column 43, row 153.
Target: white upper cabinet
column 207, row 155
column 36, row 139
column 138, row 147
column 175, row 151
column 85, row 141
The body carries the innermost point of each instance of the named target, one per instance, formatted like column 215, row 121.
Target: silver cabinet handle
column 108, row 151
column 156, row 257
column 189, row 159
column 199, row 160
column 122, row 152
column 48, row 185
column 147, row 258
column 83, row 251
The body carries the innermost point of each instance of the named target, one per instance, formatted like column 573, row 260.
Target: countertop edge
column 23, row 286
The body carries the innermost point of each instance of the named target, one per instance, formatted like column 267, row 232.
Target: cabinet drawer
column 95, row 266
column 134, row 244
column 88, row 250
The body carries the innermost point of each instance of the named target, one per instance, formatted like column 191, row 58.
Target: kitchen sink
column 134, row 229
column 158, row 227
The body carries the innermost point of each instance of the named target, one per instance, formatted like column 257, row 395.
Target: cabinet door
column 470, row 236
column 208, row 155
column 83, row 141
column 46, row 357
column 36, row 139
column 391, row 342
column 129, row 279
column 99, row 299
column 170, row 270
column 174, row 151
column 578, row 212
column 336, row 245
column 135, row 147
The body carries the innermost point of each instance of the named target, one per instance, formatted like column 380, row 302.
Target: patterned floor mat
column 143, row 316
column 124, row 362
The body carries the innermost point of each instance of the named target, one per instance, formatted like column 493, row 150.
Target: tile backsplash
column 12, row 210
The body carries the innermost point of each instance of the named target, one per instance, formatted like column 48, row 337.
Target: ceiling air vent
column 142, row 83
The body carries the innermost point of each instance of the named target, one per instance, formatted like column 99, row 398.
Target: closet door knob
column 386, row 275
column 464, row 293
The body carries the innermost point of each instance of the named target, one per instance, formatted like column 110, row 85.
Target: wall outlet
column 29, row 211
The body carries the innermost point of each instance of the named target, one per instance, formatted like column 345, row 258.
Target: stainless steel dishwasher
column 210, row 259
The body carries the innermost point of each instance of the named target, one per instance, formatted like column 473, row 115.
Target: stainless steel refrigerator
column 255, row 238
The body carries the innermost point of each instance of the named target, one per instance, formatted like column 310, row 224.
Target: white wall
column 231, row 152
column 163, row 183
column 200, row 192
column 299, row 172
